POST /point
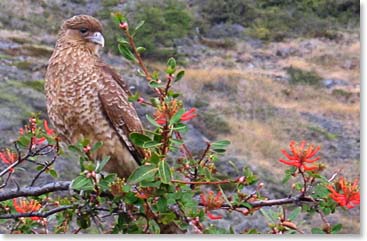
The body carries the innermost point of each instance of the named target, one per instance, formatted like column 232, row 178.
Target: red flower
column 211, row 202
column 348, row 194
column 24, row 206
column 8, row 157
column 48, row 130
column 188, row 115
column 300, row 156
column 160, row 116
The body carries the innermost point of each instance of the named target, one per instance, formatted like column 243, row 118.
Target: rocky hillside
column 258, row 94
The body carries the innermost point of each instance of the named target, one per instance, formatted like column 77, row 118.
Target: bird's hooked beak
column 97, row 38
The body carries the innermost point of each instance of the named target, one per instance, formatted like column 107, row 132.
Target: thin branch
column 6, row 180
column 202, row 182
column 334, row 175
column 35, row 191
column 137, row 55
column 274, row 202
column 9, row 168
column 45, row 167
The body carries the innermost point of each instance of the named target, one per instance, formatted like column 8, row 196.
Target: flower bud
column 140, row 100
column 87, row 149
column 124, row 26
column 241, row 179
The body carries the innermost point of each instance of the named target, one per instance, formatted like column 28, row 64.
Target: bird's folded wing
column 121, row 114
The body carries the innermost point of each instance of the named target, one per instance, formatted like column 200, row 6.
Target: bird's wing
column 120, row 113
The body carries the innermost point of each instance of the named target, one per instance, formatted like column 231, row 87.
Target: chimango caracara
column 86, row 98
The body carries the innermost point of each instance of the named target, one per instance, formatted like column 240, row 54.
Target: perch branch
column 34, row 191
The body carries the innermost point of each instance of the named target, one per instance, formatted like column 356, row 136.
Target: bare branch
column 35, row 191
column 45, row 167
column 274, row 202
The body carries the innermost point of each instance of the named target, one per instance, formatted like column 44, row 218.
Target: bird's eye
column 83, row 30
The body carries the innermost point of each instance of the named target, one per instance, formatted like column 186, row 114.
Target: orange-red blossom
column 160, row 115
column 8, row 158
column 33, row 125
column 301, row 155
column 346, row 194
column 211, row 202
column 24, row 206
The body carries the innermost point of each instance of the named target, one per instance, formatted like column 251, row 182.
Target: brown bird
column 87, row 99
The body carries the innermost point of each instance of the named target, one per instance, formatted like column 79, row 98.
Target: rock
column 331, row 83
column 224, row 30
column 286, row 52
column 350, row 64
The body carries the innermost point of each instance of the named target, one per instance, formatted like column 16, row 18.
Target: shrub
column 276, row 19
column 229, row 11
column 299, row 76
column 165, row 21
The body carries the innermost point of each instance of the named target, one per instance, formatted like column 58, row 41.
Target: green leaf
column 145, row 183
column 168, row 217
column 177, row 116
column 74, row 149
column 139, row 139
column 169, row 70
column 162, row 204
column 176, row 142
column 140, row 49
column 82, row 183
column 220, row 144
column 219, row 150
column 150, row 144
column 118, row 18
column 125, row 51
column 53, row 173
column 24, row 140
column 105, row 182
column 140, row 24
column 152, row 121
column 172, row 94
column 155, row 84
column 154, row 227
column 321, row 191
column 154, row 158
column 155, row 75
column 171, row 63
column 294, row 214
column 164, row 172
column 134, row 97
column 96, row 146
column 269, row 215
column 102, row 164
column 143, row 173
column 181, row 127
column 122, row 41
column 180, row 75
column 317, row 231
column 336, row 228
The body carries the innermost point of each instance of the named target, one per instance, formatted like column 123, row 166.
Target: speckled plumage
column 86, row 98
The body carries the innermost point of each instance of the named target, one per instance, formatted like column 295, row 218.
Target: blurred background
column 260, row 73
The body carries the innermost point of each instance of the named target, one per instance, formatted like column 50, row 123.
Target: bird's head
column 83, row 29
